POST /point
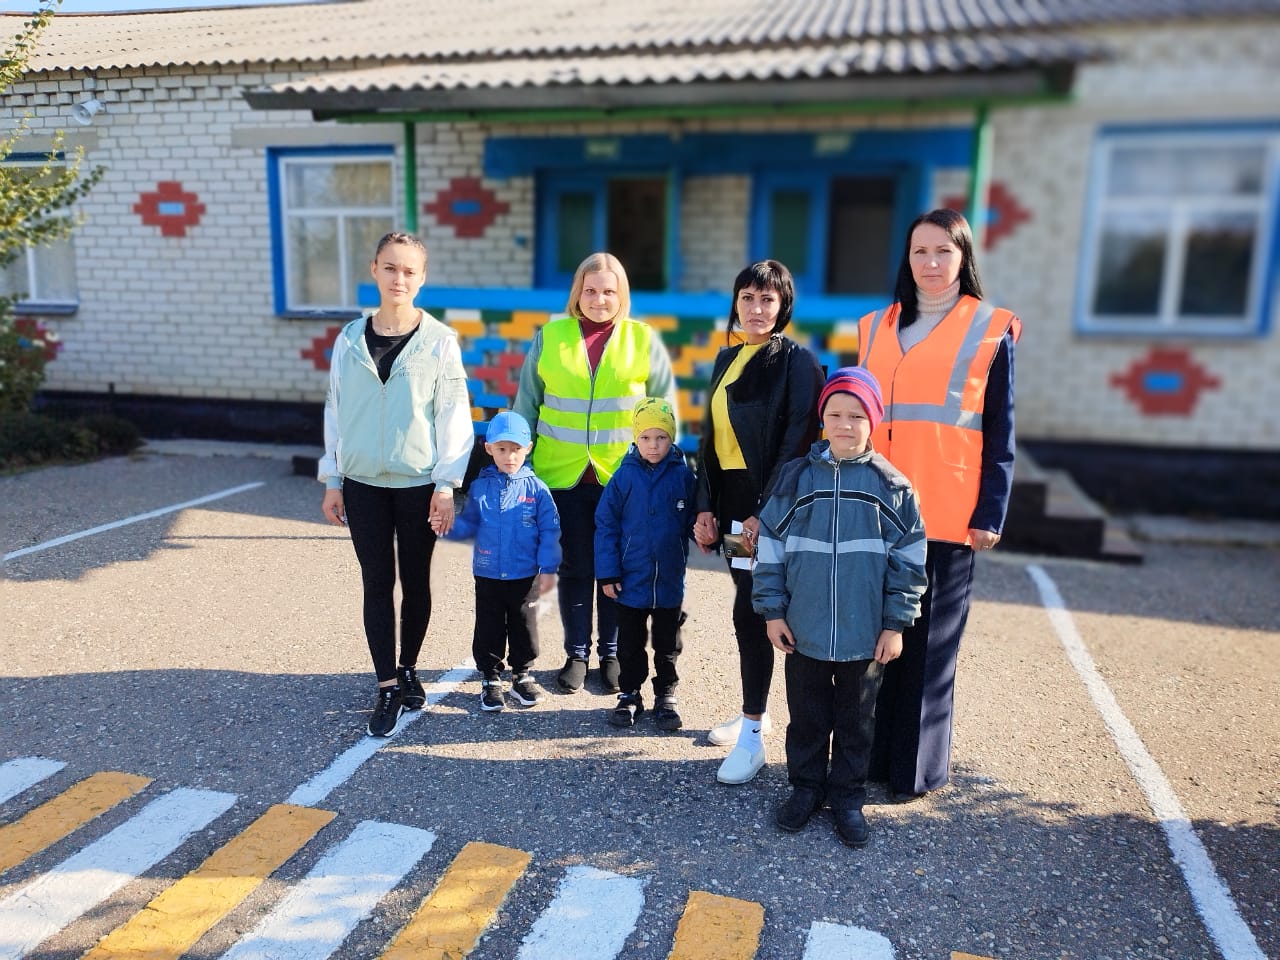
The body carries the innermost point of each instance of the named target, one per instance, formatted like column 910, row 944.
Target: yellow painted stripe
column 182, row 914
column 967, row 956
column 64, row 814
column 718, row 928
column 450, row 921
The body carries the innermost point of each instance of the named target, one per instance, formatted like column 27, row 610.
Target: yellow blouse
column 727, row 450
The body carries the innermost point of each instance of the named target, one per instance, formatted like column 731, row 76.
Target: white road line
column 24, row 773
column 48, row 903
column 150, row 515
column 342, row 889
column 1212, row 898
column 590, row 916
column 344, row 767
column 831, row 941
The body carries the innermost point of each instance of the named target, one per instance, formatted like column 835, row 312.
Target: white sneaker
column 727, row 733
column 740, row 765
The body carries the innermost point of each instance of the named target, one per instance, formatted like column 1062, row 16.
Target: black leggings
column 390, row 524
column 738, row 497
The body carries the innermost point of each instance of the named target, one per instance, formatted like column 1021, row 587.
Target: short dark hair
column 959, row 233
column 765, row 275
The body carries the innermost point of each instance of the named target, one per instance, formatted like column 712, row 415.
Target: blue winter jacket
column 643, row 524
column 515, row 523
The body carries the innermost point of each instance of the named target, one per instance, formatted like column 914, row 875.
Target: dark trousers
column 506, row 619
column 390, row 527
column 577, row 507
column 833, row 716
column 912, row 750
column 633, row 658
column 737, row 501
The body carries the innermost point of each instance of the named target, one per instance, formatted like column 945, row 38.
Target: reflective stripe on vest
column 934, row 396
column 585, row 419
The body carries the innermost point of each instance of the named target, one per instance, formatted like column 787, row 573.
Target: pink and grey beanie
column 859, row 382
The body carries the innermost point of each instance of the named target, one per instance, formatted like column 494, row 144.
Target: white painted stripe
column 24, row 773
column 342, row 889
column 150, row 515
column 1211, row 896
column 830, row 941
column 341, row 770
column 591, row 915
column 48, row 903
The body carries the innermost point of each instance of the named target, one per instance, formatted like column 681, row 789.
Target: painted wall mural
column 1165, row 382
column 170, row 208
column 1004, row 213
column 468, row 206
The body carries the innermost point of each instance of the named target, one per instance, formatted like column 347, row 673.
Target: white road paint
column 24, row 773
column 1211, row 896
column 116, row 524
column 344, row 767
column 342, row 889
column 48, row 903
column 830, row 941
column 591, row 915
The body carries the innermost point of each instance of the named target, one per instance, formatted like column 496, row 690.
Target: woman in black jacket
column 760, row 413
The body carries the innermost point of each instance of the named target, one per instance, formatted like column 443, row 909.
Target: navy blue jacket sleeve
column 998, row 443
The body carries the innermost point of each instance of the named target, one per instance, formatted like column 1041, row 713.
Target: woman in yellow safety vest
column 581, row 378
column 944, row 359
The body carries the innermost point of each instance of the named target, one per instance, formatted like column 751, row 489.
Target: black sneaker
column 609, row 673
column 572, row 675
column 630, row 706
column 851, row 827
column 415, row 697
column 796, row 810
column 665, row 715
column 491, row 695
column 526, row 691
column 386, row 712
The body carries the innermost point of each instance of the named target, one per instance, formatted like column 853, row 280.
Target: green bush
column 115, row 436
column 30, row 439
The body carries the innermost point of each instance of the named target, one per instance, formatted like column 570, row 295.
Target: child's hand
column 705, row 530
column 546, row 582
column 780, row 635
column 611, row 590
column 889, row 646
column 437, row 525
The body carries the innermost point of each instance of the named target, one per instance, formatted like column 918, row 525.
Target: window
column 1178, row 232
column 43, row 277
column 329, row 209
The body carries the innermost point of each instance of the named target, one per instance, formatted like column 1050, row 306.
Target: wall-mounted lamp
column 84, row 111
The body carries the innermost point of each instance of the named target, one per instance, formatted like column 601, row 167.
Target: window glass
column 577, row 230
column 860, row 228
column 789, row 228
column 1215, row 277
column 637, row 229
column 45, row 274
column 1131, row 265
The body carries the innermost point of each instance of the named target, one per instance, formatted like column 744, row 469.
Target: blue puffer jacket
column 643, row 525
column 515, row 523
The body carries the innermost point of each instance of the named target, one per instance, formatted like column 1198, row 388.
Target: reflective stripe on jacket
column 933, row 400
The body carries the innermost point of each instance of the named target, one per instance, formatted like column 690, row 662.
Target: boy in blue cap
column 514, row 521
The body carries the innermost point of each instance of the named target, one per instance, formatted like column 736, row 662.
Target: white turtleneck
column 930, row 309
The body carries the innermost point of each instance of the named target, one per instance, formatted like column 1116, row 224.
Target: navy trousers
column 577, row 508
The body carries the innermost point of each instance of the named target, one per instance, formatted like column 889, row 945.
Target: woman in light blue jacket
column 397, row 436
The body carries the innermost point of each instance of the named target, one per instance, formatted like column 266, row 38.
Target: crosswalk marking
column 172, row 922
column 341, row 890
column 64, row 814
column 45, row 905
column 718, row 928
column 451, row 920
column 24, row 773
column 967, row 956
column 591, row 915
column 831, row 941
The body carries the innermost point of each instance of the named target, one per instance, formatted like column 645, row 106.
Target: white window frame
column 33, row 302
column 1168, row 322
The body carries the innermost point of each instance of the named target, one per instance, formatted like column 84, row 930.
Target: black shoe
column 630, row 706
column 899, row 797
column 386, row 712
column 415, row 697
column 526, row 691
column 796, row 810
column 851, row 827
column 572, row 675
column 609, row 673
column 665, row 715
column 491, row 696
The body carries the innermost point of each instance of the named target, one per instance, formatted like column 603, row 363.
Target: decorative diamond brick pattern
column 468, row 206
column 170, row 208
column 1166, row 382
column 1004, row 213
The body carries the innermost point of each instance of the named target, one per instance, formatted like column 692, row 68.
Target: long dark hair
column 958, row 232
column 764, row 275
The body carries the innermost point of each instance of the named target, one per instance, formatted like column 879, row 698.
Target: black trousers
column 633, row 658
column 737, row 501
column 506, row 619
column 390, row 527
column 833, row 715
column 912, row 749
column 578, row 588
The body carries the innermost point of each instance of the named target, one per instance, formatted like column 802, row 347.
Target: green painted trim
column 410, row 177
column 980, row 174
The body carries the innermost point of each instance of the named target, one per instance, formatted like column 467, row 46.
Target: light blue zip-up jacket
column 841, row 554
column 412, row 430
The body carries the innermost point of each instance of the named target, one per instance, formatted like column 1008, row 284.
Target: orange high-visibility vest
column 933, row 400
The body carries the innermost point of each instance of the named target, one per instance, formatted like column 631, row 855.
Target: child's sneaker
column 665, row 715
column 414, row 696
column 386, row 712
column 526, row 691
column 630, row 705
column 491, row 695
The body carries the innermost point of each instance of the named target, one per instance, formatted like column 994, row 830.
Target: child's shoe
column 630, row 706
column 414, row 696
column 526, row 691
column 491, row 695
column 798, row 808
column 665, row 715
column 610, row 673
column 851, row 827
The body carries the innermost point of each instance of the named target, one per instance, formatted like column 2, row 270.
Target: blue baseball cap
column 509, row 425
